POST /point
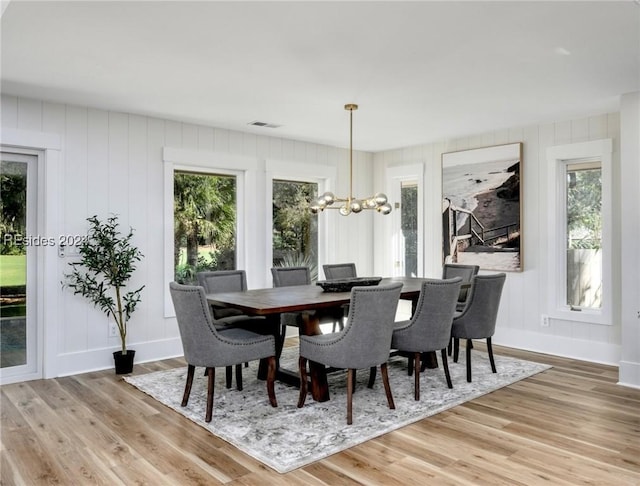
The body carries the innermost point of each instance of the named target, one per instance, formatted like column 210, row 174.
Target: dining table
column 312, row 302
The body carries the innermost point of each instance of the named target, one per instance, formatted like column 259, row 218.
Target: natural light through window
column 584, row 235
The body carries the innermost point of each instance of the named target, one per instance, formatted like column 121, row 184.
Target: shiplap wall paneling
column 138, row 218
column 78, row 315
column 524, row 296
column 97, row 184
column 157, row 327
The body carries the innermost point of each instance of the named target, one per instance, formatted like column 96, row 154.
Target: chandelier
column 350, row 204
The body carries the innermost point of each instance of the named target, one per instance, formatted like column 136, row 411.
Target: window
column 204, row 214
column 405, row 248
column 295, row 229
column 580, row 243
column 583, row 219
column 409, row 223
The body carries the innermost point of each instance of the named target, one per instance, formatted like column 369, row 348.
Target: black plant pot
column 124, row 362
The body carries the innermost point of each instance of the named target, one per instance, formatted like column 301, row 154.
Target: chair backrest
column 223, row 281
column 334, row 271
column 369, row 327
column 289, row 276
column 432, row 319
column 197, row 330
column 478, row 319
column 465, row 272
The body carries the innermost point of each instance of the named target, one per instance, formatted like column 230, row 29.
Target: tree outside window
column 295, row 229
column 584, row 235
column 204, row 224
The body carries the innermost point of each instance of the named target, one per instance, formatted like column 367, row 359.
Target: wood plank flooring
column 566, row 426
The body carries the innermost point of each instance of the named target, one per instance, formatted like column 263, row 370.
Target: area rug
column 286, row 438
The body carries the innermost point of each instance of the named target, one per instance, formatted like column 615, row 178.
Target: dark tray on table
column 345, row 284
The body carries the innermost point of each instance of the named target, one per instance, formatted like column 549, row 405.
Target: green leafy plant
column 293, row 259
column 107, row 262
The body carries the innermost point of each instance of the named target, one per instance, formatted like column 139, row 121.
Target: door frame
column 47, row 148
column 395, row 177
column 33, row 331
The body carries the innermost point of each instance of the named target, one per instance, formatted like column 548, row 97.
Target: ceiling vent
column 264, row 124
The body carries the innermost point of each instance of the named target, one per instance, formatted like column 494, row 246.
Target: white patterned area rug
column 286, row 437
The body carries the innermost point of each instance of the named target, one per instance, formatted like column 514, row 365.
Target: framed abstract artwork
column 481, row 207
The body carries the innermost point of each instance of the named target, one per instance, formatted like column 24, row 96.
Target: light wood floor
column 569, row 425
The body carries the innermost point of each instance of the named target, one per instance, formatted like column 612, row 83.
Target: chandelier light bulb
column 380, row 198
column 385, row 208
column 329, row 197
column 370, row 203
column 356, row 206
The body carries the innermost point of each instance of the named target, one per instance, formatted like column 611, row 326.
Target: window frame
column 243, row 168
column 322, row 175
column 558, row 159
column 395, row 176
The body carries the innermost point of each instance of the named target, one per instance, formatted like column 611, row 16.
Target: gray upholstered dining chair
column 478, row 319
column 429, row 329
column 291, row 276
column 223, row 281
column 364, row 342
column 466, row 273
column 287, row 277
column 333, row 271
column 228, row 281
column 205, row 346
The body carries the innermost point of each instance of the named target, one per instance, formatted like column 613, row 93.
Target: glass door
column 405, row 222
column 19, row 349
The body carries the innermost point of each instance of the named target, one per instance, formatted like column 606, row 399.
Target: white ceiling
column 420, row 71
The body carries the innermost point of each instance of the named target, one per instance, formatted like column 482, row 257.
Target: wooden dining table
column 310, row 300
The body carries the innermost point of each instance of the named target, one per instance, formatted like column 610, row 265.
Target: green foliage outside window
column 295, row 229
column 584, row 208
column 204, row 216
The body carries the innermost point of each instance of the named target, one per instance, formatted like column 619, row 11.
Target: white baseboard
column 629, row 374
column 593, row 351
column 102, row 359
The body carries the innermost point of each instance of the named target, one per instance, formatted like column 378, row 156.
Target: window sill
column 585, row 315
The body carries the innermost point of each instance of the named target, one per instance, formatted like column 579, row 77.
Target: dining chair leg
column 416, row 372
column 271, row 379
column 187, row 387
column 229, row 374
column 350, row 383
column 445, row 366
column 372, row 377
column 468, row 348
column 490, row 351
column 238, row 377
column 456, row 349
column 387, row 387
column 211, row 375
column 409, row 365
column 302, row 366
column 450, row 346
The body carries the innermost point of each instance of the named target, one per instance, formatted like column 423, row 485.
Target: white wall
column 113, row 163
column 524, row 298
column 630, row 236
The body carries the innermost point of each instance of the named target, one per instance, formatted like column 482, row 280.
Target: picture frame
column 481, row 207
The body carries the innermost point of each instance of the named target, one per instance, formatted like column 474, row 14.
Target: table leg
column 272, row 327
column 310, row 326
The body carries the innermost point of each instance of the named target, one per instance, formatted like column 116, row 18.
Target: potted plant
column 107, row 261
